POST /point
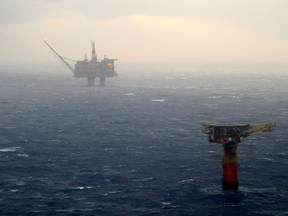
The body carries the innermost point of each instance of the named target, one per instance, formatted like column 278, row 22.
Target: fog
column 135, row 147
column 145, row 31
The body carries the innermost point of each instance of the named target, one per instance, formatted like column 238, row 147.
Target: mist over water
column 135, row 147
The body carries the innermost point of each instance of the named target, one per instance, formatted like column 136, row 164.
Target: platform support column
column 91, row 81
column 230, row 167
column 102, row 81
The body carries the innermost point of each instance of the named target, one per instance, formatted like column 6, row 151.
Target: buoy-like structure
column 229, row 135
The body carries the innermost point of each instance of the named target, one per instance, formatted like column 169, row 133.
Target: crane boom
column 60, row 57
column 256, row 128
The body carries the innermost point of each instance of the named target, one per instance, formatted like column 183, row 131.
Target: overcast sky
column 146, row 30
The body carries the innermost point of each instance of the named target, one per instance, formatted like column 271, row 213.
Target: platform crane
column 229, row 135
column 60, row 58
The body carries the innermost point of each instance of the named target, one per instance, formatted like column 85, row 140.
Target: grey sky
column 267, row 18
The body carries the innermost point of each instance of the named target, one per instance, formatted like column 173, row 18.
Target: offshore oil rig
column 229, row 135
column 90, row 69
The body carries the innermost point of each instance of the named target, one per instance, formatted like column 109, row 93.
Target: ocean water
column 135, row 147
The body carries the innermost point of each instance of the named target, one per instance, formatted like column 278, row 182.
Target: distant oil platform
column 90, row 69
column 229, row 135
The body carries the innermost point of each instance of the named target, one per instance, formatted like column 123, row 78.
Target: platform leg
column 230, row 167
column 91, row 81
column 102, row 81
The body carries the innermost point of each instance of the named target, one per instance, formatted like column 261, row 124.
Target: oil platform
column 229, row 135
column 90, row 69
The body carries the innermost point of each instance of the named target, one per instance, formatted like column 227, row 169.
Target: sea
column 135, row 146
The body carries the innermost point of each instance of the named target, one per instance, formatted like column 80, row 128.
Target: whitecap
column 147, row 179
column 85, row 210
column 11, row 149
column 22, row 155
column 11, row 180
column 55, row 140
column 7, row 150
column 214, row 97
column 187, row 180
column 157, row 100
column 20, row 183
column 66, row 210
column 80, row 188
column 129, row 94
column 266, row 159
column 113, row 192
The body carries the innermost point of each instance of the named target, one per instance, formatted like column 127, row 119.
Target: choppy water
column 135, row 147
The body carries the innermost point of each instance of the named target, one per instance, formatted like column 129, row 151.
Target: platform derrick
column 90, row 69
column 229, row 135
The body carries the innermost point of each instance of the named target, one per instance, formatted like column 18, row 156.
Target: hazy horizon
column 150, row 31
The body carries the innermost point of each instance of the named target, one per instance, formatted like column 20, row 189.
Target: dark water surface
column 135, row 147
